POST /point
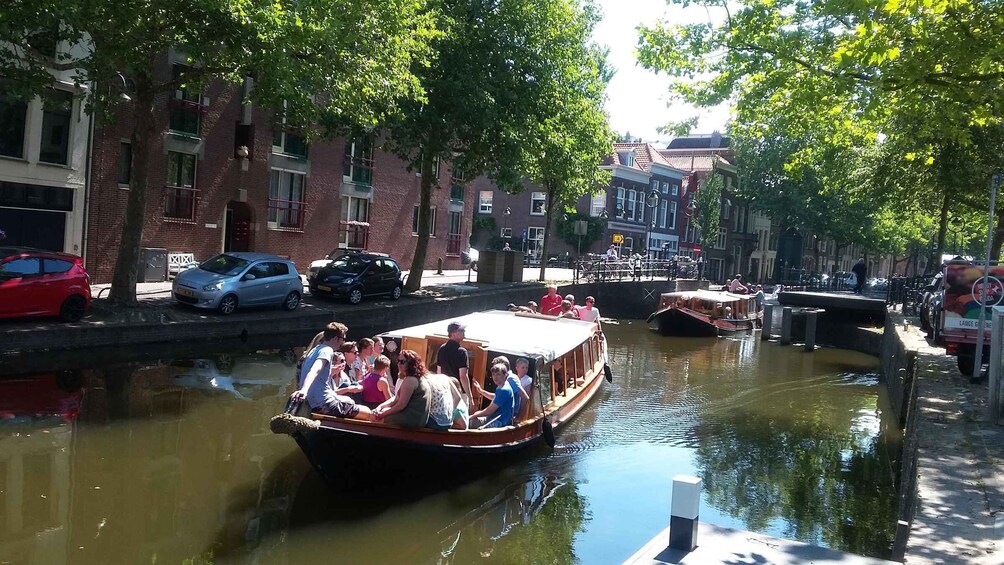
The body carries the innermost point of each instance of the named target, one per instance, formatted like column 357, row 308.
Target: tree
column 314, row 60
column 493, row 68
column 708, row 201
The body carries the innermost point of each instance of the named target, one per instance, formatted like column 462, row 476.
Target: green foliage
column 709, row 208
column 595, row 227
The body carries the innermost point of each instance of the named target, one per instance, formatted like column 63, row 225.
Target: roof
column 701, row 141
column 249, row 256
column 8, row 250
column 709, row 295
column 507, row 332
column 645, row 155
column 693, row 161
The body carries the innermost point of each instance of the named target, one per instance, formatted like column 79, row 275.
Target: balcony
column 353, row 234
column 180, row 203
column 285, row 215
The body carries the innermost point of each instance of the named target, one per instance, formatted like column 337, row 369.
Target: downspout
column 88, row 168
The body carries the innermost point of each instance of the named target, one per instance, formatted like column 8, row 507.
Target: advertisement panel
column 963, row 285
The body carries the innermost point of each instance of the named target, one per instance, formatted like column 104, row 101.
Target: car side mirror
column 248, row 277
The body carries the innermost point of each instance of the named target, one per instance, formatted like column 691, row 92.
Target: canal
column 171, row 461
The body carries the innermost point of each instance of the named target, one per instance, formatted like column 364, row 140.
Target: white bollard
column 686, row 507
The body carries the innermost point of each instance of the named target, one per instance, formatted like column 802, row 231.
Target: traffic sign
column 996, row 179
column 618, row 238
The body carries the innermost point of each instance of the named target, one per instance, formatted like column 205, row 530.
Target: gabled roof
column 645, row 155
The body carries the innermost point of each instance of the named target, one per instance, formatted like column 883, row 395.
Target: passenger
column 736, row 286
column 532, row 306
column 519, row 392
column 525, row 381
column 317, row 389
column 353, row 364
column 365, row 346
column 317, row 339
column 377, row 350
column 376, row 385
column 567, row 312
column 759, row 297
column 560, row 382
column 571, row 298
column 589, row 312
column 452, row 359
column 448, row 409
column 550, row 303
column 409, row 408
column 499, row 413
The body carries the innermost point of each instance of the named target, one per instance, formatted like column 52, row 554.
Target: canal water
column 170, row 461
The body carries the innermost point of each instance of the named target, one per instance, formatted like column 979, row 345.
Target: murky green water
column 166, row 461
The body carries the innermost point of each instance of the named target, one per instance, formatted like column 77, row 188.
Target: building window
column 286, row 141
column 435, row 167
column 665, row 187
column 485, row 202
column 722, row 234
column 286, row 200
column 597, row 204
column 670, row 215
column 181, row 193
column 432, row 221
column 358, row 165
column 631, row 204
column 355, row 223
column 663, row 209
column 125, row 163
column 185, row 107
column 675, row 189
column 12, row 119
column 627, row 247
column 506, row 233
column 620, row 202
column 655, row 184
column 57, row 107
column 534, row 241
column 726, row 204
column 537, row 200
column 454, row 240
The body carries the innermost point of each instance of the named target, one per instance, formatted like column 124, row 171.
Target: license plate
column 186, row 292
column 324, row 288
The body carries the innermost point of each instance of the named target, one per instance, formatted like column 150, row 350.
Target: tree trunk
column 549, row 207
column 123, row 290
column 995, row 248
column 422, row 244
column 933, row 262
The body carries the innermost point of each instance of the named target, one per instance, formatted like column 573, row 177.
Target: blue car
column 229, row 280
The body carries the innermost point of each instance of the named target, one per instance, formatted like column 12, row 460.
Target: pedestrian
column 759, row 298
column 860, row 271
column 550, row 303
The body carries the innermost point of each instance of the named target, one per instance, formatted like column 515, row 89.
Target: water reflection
column 172, row 460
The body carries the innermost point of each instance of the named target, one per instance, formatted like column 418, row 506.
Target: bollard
column 686, row 507
column 810, row 331
column 439, row 266
column 768, row 322
column 786, row 316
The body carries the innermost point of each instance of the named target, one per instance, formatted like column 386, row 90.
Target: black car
column 358, row 274
column 930, row 304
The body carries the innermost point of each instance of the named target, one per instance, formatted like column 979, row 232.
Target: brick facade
column 225, row 182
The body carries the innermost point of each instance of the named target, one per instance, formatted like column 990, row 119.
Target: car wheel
column 73, row 308
column 966, row 365
column 355, row 296
column 292, row 301
column 396, row 293
column 228, row 304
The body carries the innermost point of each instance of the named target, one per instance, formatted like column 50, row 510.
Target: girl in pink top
column 376, row 386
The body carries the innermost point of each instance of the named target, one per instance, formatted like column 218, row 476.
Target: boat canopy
column 710, row 295
column 512, row 333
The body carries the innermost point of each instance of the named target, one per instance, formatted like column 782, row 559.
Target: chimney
column 716, row 139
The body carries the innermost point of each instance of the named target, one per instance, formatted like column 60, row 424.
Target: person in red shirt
column 550, row 303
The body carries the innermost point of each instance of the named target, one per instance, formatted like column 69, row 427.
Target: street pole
column 995, row 181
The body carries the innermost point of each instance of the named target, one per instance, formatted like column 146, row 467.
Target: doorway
column 237, row 227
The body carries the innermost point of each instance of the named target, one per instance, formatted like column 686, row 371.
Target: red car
column 34, row 282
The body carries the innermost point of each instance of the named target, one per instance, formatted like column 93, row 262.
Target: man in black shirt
column 452, row 358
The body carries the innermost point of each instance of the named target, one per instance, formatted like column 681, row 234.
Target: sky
column 638, row 99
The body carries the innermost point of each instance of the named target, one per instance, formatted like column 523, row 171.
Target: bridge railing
column 600, row 269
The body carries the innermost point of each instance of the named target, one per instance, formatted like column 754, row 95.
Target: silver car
column 229, row 280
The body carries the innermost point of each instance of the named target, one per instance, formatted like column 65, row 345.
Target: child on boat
column 376, row 385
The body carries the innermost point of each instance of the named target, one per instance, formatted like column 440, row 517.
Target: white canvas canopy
column 710, row 295
column 508, row 332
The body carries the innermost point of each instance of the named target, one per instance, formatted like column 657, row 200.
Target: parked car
column 358, row 274
column 229, row 280
column 930, row 301
column 316, row 265
column 34, row 282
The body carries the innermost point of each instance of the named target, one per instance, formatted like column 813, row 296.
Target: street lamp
column 507, row 212
column 652, row 201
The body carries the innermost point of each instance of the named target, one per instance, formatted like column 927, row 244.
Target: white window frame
column 597, row 204
column 663, row 210
column 535, row 235
column 665, row 187
column 632, row 203
column 281, row 148
column 275, row 224
column 536, row 197
column 675, row 189
column 620, row 205
column 655, row 184
column 432, row 221
column 670, row 217
column 505, row 233
column 723, row 234
column 485, row 204
column 355, row 147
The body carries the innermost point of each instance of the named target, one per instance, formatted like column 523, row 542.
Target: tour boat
column 337, row 443
column 705, row 313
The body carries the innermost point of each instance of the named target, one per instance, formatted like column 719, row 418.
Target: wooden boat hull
column 342, row 449
column 687, row 323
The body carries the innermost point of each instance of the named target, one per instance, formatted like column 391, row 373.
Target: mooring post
column 786, row 316
column 768, row 322
column 686, row 508
column 810, row 330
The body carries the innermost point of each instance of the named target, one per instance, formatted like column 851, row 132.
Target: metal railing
column 600, row 269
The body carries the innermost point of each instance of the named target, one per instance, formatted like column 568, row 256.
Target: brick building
column 226, row 177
